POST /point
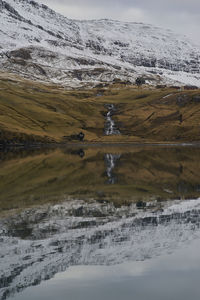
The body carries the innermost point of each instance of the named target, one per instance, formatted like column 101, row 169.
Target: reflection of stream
column 111, row 160
column 110, row 126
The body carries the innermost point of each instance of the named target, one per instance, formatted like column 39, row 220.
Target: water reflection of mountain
column 38, row 243
column 140, row 173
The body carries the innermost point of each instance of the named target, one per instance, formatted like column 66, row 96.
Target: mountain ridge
column 82, row 52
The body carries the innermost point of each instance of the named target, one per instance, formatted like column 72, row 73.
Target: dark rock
column 10, row 8
column 45, row 6
column 40, row 27
column 119, row 81
column 21, row 53
column 79, row 212
column 161, row 86
column 139, row 81
column 190, row 87
column 81, row 136
column 141, row 204
column 175, row 87
column 121, row 44
column 35, row 4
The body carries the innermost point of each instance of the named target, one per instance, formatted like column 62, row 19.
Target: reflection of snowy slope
column 81, row 52
column 38, row 243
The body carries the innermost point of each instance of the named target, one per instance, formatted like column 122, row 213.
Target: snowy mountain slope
column 38, row 243
column 63, row 50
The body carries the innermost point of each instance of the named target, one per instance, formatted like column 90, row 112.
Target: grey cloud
column 172, row 5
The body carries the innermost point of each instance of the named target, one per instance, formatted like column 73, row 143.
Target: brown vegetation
column 35, row 112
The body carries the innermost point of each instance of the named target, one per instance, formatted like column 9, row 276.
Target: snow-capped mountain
column 39, row 43
column 38, row 243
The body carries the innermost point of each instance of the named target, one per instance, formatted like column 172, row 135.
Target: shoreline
column 96, row 144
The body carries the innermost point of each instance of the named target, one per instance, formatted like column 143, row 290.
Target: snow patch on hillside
column 98, row 50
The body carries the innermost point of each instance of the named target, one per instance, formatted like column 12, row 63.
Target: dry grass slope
column 33, row 111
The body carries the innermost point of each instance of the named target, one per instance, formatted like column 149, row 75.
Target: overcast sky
column 182, row 16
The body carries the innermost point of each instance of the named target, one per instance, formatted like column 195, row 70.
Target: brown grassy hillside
column 31, row 111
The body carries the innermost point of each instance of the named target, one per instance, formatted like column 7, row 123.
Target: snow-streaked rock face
column 38, row 243
column 81, row 52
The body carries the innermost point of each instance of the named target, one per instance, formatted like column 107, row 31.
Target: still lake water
column 100, row 223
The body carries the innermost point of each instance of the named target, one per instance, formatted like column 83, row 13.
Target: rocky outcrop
column 20, row 53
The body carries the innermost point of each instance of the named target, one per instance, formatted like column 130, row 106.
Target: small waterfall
column 111, row 160
column 110, row 127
